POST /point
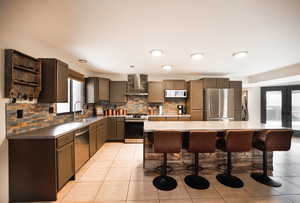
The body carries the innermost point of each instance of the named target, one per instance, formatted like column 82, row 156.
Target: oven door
column 134, row 130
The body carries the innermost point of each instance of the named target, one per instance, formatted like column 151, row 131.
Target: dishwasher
column 82, row 149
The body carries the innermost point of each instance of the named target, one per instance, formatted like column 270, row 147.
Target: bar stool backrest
column 202, row 141
column 167, row 141
column 278, row 140
column 238, row 140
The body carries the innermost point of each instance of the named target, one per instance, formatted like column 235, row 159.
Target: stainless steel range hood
column 137, row 85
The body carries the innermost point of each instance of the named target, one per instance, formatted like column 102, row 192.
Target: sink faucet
column 75, row 105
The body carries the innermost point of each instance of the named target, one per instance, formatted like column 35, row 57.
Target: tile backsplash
column 36, row 115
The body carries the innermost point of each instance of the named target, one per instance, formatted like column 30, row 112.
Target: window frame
column 71, row 98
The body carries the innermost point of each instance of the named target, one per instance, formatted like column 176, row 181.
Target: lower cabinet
column 101, row 132
column 196, row 114
column 39, row 168
column 116, row 129
column 65, row 164
column 93, row 139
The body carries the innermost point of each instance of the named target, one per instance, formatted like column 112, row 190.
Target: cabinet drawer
column 93, row 126
column 171, row 118
column 184, row 118
column 65, row 139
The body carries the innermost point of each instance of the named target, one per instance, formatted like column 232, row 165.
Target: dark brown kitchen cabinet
column 195, row 92
column 97, row 89
column 196, row 114
column 223, row 83
column 216, row 82
column 155, row 92
column 43, row 165
column 112, row 130
column 194, row 102
column 101, row 133
column 156, row 118
column 116, row 129
column 93, row 138
column 65, row 164
column 174, row 84
column 120, row 129
column 237, row 86
column 117, row 91
column 103, row 89
column 54, row 81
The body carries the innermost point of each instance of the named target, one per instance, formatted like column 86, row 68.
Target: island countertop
column 186, row 126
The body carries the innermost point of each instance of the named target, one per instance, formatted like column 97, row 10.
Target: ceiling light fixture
column 156, row 52
column 197, row 56
column 167, row 67
column 82, row 61
column 240, row 54
column 132, row 66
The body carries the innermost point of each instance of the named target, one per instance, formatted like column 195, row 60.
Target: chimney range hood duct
column 137, row 85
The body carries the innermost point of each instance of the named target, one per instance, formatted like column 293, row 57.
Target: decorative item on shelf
column 22, row 76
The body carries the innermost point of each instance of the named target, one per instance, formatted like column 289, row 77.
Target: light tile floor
column 115, row 174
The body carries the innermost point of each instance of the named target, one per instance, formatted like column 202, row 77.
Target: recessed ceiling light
column 132, row 66
column 240, row 54
column 167, row 67
column 82, row 60
column 197, row 56
column 156, row 52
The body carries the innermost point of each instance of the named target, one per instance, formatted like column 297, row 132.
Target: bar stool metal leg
column 195, row 181
column 164, row 182
column 227, row 179
column 263, row 177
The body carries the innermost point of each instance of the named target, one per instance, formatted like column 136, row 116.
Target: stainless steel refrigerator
column 218, row 104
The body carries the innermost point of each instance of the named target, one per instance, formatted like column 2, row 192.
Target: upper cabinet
column 174, row 84
column 155, row 92
column 216, row 82
column 97, row 89
column 54, row 81
column 118, row 90
column 22, row 75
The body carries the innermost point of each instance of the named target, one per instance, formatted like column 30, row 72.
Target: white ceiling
column 113, row 34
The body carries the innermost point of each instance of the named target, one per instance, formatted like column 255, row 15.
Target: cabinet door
column 179, row 85
column 65, row 164
column 91, row 85
column 112, row 132
column 103, row 89
column 62, row 82
column 93, row 141
column 120, row 130
column 105, row 129
column 168, row 84
column 99, row 136
column 155, row 92
column 196, row 94
column 209, row 83
column 197, row 115
column 118, row 91
column 223, row 83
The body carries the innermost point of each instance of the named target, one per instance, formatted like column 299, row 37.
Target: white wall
column 254, row 104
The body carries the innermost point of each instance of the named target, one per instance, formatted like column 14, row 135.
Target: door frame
column 286, row 103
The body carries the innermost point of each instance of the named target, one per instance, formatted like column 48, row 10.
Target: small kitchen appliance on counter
column 181, row 109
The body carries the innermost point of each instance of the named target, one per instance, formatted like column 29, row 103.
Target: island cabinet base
column 38, row 168
column 210, row 163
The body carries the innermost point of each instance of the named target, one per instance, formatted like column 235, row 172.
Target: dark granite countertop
column 53, row 132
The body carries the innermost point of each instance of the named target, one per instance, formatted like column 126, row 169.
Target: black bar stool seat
column 271, row 140
column 200, row 142
column 166, row 142
column 234, row 141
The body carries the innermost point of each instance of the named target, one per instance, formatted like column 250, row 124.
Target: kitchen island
column 210, row 163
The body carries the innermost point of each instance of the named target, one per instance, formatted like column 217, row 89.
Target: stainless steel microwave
column 175, row 93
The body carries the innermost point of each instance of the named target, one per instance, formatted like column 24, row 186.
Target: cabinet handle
column 81, row 133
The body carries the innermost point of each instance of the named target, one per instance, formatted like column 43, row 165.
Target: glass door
column 274, row 108
column 296, row 109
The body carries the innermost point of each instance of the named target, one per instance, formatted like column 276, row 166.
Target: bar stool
column 271, row 140
column 200, row 142
column 234, row 141
column 166, row 142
